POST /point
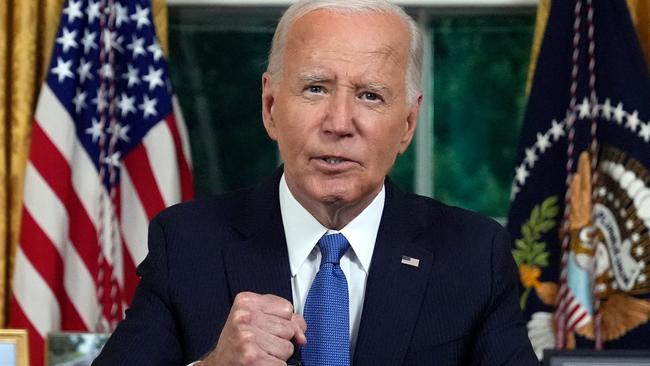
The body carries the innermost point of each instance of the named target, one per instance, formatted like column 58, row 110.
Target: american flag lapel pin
column 409, row 261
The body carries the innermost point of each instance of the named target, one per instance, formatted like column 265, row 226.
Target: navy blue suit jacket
column 459, row 307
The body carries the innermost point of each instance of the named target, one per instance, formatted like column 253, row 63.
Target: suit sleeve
column 502, row 338
column 148, row 334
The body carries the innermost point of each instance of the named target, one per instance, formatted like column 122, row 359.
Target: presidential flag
column 107, row 153
column 580, row 209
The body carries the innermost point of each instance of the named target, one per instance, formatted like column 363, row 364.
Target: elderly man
column 327, row 263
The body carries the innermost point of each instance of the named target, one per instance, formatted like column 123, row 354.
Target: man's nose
column 339, row 119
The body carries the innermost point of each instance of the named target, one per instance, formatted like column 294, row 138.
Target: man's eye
column 315, row 89
column 370, row 96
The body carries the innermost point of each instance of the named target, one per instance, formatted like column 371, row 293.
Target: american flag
column 107, row 153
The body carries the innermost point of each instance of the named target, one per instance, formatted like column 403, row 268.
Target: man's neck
column 333, row 215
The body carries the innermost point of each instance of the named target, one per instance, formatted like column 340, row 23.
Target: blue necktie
column 326, row 308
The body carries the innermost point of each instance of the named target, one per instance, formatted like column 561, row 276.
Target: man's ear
column 411, row 124
column 267, row 106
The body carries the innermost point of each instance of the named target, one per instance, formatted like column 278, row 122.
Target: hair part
column 301, row 8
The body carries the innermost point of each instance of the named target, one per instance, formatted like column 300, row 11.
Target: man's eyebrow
column 376, row 86
column 309, row 77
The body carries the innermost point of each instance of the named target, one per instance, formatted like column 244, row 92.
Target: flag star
column 121, row 131
column 73, row 10
column 584, row 109
column 113, row 160
column 132, row 75
column 106, row 71
column 521, row 174
column 557, row 130
column 84, row 70
column 96, row 130
column 644, row 132
column 607, row 109
column 111, row 40
column 155, row 50
column 619, row 113
column 126, row 104
column 88, row 41
column 137, row 46
column 62, row 69
column 79, row 100
column 100, row 101
column 121, row 14
column 92, row 11
column 67, row 39
column 542, row 142
column 154, row 78
column 632, row 121
column 148, row 106
column 531, row 157
column 141, row 16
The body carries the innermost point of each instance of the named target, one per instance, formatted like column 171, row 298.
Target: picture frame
column 584, row 357
column 13, row 347
column 73, row 348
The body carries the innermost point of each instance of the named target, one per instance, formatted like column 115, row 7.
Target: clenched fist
column 258, row 331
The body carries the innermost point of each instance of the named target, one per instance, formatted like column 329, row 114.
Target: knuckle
column 241, row 316
column 249, row 356
column 244, row 298
column 245, row 337
column 287, row 310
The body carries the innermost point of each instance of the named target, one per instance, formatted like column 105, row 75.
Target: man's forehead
column 372, row 35
column 384, row 27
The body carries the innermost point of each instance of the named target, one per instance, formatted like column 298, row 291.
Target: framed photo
column 13, row 347
column 593, row 357
column 74, row 349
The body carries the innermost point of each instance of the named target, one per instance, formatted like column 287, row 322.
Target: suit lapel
column 259, row 262
column 394, row 291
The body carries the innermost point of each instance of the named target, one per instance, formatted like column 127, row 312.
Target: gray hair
column 302, row 7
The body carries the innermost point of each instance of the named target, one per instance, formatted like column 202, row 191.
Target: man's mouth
column 333, row 160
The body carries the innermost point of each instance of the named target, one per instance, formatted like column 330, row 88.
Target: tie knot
column 332, row 248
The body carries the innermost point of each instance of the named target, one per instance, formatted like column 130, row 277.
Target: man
column 381, row 277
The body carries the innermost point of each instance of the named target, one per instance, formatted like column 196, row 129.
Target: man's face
column 339, row 109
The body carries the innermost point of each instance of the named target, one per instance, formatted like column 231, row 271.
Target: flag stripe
column 35, row 341
column 81, row 286
column 47, row 261
column 53, row 219
column 144, row 182
column 59, row 127
column 56, row 172
column 159, row 145
column 40, row 198
column 133, row 220
column 180, row 146
column 33, row 295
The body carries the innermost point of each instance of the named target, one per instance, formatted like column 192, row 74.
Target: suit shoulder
column 214, row 209
column 455, row 218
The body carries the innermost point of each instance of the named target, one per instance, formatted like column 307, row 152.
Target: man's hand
column 258, row 331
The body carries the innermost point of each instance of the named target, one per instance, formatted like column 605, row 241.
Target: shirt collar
column 303, row 231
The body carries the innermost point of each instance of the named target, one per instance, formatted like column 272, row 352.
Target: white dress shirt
column 303, row 231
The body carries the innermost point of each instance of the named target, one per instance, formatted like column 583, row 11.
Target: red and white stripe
column 56, row 269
